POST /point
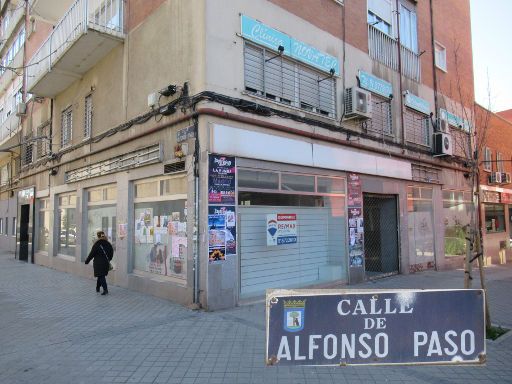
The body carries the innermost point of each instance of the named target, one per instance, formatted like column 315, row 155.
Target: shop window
column 257, row 179
column 420, row 225
column 102, row 214
column 13, row 226
column 494, row 218
column 457, row 208
column 330, row 185
column 298, row 183
column 66, row 222
column 160, row 232
column 44, row 226
column 288, row 82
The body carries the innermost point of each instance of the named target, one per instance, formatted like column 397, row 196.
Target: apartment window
column 17, row 97
column 408, row 28
column 440, row 56
column 487, row 159
column 417, row 127
column 15, row 47
column 4, row 174
column 88, row 117
column 380, row 15
column 5, row 23
column 43, row 144
column 499, row 162
column 381, row 121
column 66, row 127
column 27, row 154
column 285, row 81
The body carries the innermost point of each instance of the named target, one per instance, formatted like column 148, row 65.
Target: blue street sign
column 305, row 327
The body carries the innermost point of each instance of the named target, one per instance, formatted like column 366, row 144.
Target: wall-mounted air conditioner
column 505, row 178
column 495, row 178
column 442, row 122
column 358, row 103
column 443, row 144
column 21, row 109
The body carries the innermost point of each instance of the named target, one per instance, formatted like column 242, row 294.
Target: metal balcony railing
column 384, row 49
column 104, row 16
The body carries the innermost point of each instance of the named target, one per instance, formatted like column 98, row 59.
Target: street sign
column 359, row 327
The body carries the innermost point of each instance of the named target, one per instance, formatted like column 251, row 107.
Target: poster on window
column 221, row 180
column 355, row 221
column 176, row 261
column 157, row 259
column 144, row 229
column 354, row 191
column 281, row 229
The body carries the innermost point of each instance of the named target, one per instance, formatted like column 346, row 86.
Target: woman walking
column 102, row 252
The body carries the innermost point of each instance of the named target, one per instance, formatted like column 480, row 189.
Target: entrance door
column 24, row 232
column 380, row 235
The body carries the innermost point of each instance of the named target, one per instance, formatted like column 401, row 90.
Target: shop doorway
column 380, row 235
column 24, row 232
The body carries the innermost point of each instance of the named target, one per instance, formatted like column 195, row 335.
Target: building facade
column 230, row 147
column 495, row 184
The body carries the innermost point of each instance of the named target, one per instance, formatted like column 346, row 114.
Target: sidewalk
column 55, row 329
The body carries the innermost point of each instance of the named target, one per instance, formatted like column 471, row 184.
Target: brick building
column 229, row 147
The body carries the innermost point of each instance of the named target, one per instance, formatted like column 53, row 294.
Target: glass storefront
column 160, row 241
column 101, row 213
column 457, row 208
column 494, row 218
column 45, row 220
column 420, row 225
column 66, row 222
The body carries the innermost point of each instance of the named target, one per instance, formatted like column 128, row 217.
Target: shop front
column 496, row 221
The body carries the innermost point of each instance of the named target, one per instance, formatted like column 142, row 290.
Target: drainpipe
column 400, row 73
column 195, row 235
column 434, row 71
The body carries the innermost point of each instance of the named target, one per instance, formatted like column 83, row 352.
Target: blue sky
column 492, row 52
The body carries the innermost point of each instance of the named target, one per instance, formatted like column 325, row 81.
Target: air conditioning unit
column 495, row 178
column 442, row 122
column 443, row 145
column 505, row 178
column 358, row 103
column 21, row 109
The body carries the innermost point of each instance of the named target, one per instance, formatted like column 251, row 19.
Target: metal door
column 380, row 235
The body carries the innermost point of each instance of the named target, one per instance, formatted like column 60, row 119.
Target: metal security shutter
column 285, row 266
column 253, row 68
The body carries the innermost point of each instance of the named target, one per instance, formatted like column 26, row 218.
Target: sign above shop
column 272, row 38
column 417, row 103
column 506, row 198
column 378, row 327
column 491, row 196
column 375, row 85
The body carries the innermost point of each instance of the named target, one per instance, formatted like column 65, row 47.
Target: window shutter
column 253, row 68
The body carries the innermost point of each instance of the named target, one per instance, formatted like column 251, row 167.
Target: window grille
column 88, row 117
column 66, row 127
column 417, row 128
column 43, row 144
column 285, row 81
column 27, row 153
column 381, row 121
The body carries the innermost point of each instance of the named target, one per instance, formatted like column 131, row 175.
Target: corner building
column 230, row 147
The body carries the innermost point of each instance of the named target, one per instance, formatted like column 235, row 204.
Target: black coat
column 100, row 262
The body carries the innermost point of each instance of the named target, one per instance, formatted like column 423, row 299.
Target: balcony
column 15, row 16
column 8, row 75
column 87, row 32
column 384, row 49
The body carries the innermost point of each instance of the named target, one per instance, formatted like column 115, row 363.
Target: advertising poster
column 228, row 223
column 354, row 191
column 221, row 180
column 157, row 259
column 355, row 221
column 178, row 246
column 281, row 229
column 144, row 229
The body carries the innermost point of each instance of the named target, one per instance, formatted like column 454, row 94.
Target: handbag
column 110, row 266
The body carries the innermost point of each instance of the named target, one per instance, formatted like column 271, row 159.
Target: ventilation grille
column 178, row 166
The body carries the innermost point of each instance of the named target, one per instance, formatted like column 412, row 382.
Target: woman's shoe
column 104, row 293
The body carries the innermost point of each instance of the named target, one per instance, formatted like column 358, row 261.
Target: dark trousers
column 102, row 282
